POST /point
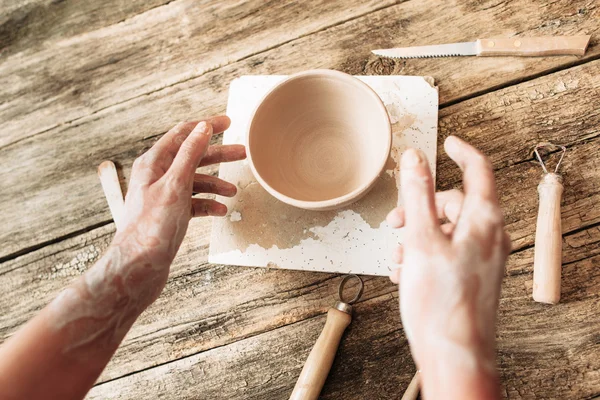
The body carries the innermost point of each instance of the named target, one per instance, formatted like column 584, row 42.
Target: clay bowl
column 319, row 140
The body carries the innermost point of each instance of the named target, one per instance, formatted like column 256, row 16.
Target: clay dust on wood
column 288, row 225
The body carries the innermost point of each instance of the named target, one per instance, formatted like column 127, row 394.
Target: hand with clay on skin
column 60, row 353
column 451, row 274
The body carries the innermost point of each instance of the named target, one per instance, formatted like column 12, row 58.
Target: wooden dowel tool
column 547, row 262
column 412, row 391
column 317, row 366
column 107, row 172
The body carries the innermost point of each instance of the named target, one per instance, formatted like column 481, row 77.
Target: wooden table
column 82, row 82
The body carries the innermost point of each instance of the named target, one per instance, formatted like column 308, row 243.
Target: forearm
column 465, row 375
column 62, row 351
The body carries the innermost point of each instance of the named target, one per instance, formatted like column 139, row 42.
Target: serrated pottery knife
column 517, row 46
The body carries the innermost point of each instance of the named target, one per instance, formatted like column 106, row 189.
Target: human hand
column 67, row 345
column 451, row 274
column 159, row 203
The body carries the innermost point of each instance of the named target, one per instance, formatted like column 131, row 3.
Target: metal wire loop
column 537, row 154
column 341, row 289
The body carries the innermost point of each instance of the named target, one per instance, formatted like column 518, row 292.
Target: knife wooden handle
column 534, row 46
column 317, row 366
column 547, row 260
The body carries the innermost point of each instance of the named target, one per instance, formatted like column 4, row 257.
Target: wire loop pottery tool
column 319, row 361
column 548, row 236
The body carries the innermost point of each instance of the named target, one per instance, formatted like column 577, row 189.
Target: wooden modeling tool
column 412, row 391
column 107, row 172
column 319, row 361
column 547, row 262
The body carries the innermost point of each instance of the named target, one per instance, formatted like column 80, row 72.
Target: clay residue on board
column 285, row 226
column 430, row 81
column 403, row 122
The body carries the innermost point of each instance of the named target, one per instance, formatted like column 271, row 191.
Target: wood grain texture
column 533, row 46
column 67, row 82
column 30, row 25
column 54, row 173
column 215, row 308
column 153, row 50
column 216, row 305
column 537, row 358
column 81, row 83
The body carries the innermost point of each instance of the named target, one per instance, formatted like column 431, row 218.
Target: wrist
column 139, row 250
column 452, row 371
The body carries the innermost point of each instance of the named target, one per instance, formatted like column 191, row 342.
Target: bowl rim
column 339, row 201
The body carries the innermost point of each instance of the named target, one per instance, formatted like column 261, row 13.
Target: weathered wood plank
column 156, row 49
column 216, row 305
column 201, row 323
column 71, row 200
column 543, row 352
column 31, row 25
column 299, row 343
column 67, row 81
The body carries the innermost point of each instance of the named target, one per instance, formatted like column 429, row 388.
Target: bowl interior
column 317, row 137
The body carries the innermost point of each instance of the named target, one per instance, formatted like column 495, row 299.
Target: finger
column 212, row 184
column 395, row 276
column 190, row 154
column 163, row 152
column 226, row 153
column 478, row 175
column 165, row 149
column 220, row 123
column 208, row 207
column 395, row 218
column 417, row 191
column 448, row 205
column 398, row 254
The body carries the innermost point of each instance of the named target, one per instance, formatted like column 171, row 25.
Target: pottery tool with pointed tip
column 107, row 172
column 412, row 391
column 517, row 46
column 547, row 262
column 319, row 361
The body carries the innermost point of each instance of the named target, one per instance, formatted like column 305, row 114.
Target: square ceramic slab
column 261, row 231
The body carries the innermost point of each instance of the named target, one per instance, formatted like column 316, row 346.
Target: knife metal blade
column 439, row 50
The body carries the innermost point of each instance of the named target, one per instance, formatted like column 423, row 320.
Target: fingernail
column 233, row 190
column 411, row 158
column 202, row 127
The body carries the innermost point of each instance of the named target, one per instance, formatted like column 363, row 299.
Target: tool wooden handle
column 534, row 46
column 107, row 172
column 317, row 366
column 547, row 261
column 412, row 391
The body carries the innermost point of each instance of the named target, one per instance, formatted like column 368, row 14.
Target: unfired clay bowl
column 319, row 140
